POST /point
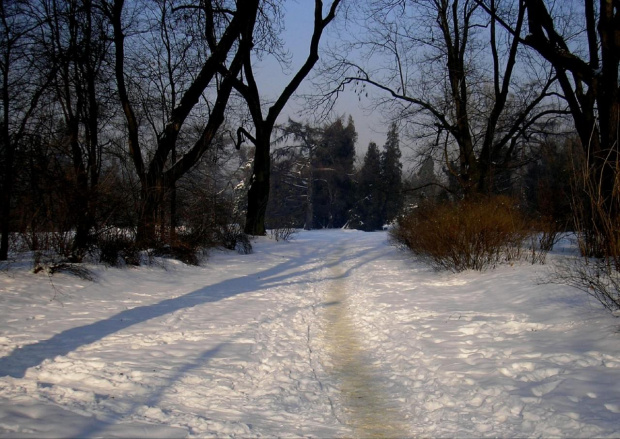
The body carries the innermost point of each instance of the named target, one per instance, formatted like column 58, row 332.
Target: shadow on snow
column 290, row 272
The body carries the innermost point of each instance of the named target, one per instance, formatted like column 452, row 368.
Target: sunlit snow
column 334, row 334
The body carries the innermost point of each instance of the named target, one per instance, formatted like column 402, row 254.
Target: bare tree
column 74, row 40
column 590, row 86
column 447, row 69
column 23, row 81
column 263, row 124
column 586, row 58
column 226, row 32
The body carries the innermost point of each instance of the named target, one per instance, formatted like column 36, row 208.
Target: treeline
column 317, row 184
column 481, row 85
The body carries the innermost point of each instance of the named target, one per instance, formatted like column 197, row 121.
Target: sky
column 297, row 34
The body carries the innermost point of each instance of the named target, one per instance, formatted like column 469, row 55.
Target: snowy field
column 335, row 334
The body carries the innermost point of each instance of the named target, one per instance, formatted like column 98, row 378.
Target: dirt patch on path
column 369, row 411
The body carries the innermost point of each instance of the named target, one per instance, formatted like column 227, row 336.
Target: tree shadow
column 99, row 427
column 289, row 272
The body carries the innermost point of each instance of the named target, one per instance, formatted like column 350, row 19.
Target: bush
column 465, row 235
column 117, row 247
column 593, row 276
column 284, row 233
column 282, row 228
column 596, row 216
column 550, row 232
column 46, row 246
column 70, row 268
column 186, row 247
column 231, row 237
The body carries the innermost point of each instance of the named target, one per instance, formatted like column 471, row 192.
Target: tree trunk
column 7, row 191
column 88, row 181
column 173, row 203
column 9, row 153
column 83, row 219
column 258, row 195
column 309, row 225
column 152, row 198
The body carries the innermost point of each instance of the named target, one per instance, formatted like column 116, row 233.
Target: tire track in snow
column 367, row 405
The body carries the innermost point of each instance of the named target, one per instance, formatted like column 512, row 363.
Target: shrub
column 70, row 268
column 550, row 232
column 596, row 216
column 186, row 247
column 284, row 233
column 282, row 228
column 117, row 247
column 232, row 237
column 465, row 235
column 181, row 251
column 46, row 246
column 593, row 276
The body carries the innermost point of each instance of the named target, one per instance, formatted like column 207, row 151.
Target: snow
column 334, row 334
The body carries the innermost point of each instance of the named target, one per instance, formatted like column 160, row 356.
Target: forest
column 132, row 126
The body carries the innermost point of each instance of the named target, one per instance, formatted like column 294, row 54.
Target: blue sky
column 299, row 16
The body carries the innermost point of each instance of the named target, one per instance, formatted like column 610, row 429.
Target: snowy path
column 335, row 334
column 368, row 406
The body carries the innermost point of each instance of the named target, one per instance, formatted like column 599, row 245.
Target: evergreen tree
column 391, row 176
column 306, row 140
column 367, row 213
column 287, row 200
column 333, row 168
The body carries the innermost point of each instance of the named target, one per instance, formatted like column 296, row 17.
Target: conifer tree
column 333, row 170
column 391, row 175
column 367, row 213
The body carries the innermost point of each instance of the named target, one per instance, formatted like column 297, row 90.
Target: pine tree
column 367, row 213
column 391, row 176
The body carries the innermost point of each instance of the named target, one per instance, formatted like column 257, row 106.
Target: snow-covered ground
column 334, row 334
